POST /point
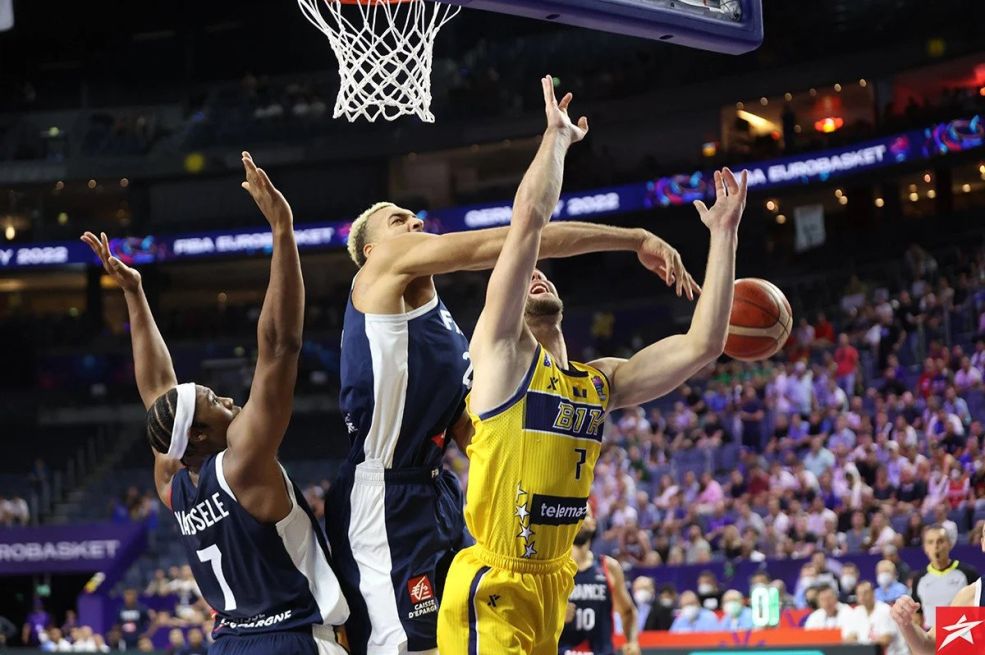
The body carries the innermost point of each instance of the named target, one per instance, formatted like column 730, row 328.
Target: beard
column 543, row 305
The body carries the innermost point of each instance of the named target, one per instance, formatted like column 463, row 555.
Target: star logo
column 525, row 534
column 521, row 511
column 957, row 628
column 520, row 491
column 531, row 551
column 960, row 630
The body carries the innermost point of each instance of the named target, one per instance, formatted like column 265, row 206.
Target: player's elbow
column 280, row 344
column 707, row 348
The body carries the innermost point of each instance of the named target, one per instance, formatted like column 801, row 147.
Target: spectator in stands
column 176, row 641
column 856, row 536
column 196, row 644
column 145, row 645
column 35, row 624
column 806, row 582
column 53, row 641
column 848, row 583
column 891, row 554
column 872, row 623
column 661, row 615
column 819, row 459
column 888, row 586
column 736, row 616
column 846, row 357
column 693, row 617
column 159, row 584
column 751, row 414
column 824, row 332
column 881, row 534
column 697, row 550
column 943, row 578
column 133, row 618
column 709, row 594
column 830, row 613
column 644, row 595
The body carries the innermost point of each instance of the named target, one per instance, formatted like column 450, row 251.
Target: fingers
column 550, row 100
column 700, row 206
column 720, row 189
column 583, row 124
column 565, row 101
column 743, row 183
column 731, row 184
column 263, row 179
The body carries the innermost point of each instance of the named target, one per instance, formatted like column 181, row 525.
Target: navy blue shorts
column 296, row 642
column 393, row 535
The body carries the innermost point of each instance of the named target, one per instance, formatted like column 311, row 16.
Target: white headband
column 184, row 414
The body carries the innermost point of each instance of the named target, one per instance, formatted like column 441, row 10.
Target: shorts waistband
column 520, row 564
column 376, row 475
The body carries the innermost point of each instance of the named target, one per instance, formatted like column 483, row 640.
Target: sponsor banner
column 960, row 630
column 68, row 549
column 557, row 510
column 675, row 190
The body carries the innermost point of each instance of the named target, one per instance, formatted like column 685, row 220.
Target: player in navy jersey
column 253, row 543
column 396, row 519
column 600, row 590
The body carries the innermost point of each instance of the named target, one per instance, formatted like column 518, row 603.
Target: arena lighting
column 92, row 184
column 966, row 188
column 771, row 205
column 837, row 88
column 862, row 83
column 927, row 178
column 709, row 149
column 813, row 92
column 757, row 122
column 124, row 182
column 839, row 193
column 931, row 194
column 788, row 96
column 59, row 185
column 981, row 91
column 63, row 218
column 764, row 101
column 843, row 200
column 781, row 219
column 740, row 106
column 10, row 233
column 829, row 124
column 914, row 197
column 880, row 202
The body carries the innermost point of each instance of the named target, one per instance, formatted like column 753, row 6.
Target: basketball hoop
column 385, row 50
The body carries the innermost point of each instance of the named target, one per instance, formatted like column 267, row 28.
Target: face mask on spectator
column 848, row 581
column 733, row 608
column 885, row 579
column 705, row 589
column 643, row 596
column 666, row 601
column 689, row 612
column 808, row 581
column 955, row 474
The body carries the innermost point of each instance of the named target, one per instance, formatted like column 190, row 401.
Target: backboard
column 727, row 26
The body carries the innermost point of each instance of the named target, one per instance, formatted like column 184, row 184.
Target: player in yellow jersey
column 537, row 416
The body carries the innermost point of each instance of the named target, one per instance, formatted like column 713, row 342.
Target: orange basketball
column 761, row 320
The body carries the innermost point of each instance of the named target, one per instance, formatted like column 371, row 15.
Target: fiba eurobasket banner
column 98, row 547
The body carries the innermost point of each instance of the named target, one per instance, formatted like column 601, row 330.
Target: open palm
column 557, row 113
column 730, row 201
column 128, row 278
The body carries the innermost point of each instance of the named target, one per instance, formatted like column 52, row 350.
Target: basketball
column 760, row 323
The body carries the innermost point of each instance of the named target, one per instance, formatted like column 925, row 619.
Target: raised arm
column 501, row 343
column 663, row 366
column 151, row 360
column 418, row 254
column 256, row 435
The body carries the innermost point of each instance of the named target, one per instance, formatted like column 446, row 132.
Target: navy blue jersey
column 258, row 577
column 590, row 631
column 404, row 380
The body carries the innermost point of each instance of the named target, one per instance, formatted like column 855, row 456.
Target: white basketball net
column 385, row 54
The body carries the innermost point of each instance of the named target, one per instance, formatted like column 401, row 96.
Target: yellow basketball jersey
column 532, row 461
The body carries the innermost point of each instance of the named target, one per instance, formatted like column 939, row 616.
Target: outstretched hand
column 271, row 202
column 730, row 201
column 557, row 113
column 128, row 278
column 663, row 259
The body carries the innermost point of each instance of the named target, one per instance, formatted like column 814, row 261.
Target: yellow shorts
column 494, row 605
